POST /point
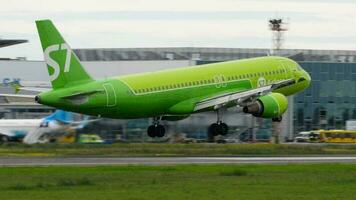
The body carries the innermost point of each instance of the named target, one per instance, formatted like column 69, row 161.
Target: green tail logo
column 63, row 66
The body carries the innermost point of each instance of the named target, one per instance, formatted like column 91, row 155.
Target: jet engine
column 272, row 105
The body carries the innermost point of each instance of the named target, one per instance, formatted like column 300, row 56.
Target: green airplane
column 258, row 85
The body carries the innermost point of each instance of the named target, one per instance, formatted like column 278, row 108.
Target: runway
column 102, row 161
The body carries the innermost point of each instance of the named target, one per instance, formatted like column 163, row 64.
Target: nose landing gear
column 277, row 119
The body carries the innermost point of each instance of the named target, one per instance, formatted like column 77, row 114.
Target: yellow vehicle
column 338, row 136
column 67, row 138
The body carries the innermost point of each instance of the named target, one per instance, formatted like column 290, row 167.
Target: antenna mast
column 278, row 27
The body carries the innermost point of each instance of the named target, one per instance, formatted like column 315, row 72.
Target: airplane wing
column 77, row 124
column 241, row 97
column 11, row 98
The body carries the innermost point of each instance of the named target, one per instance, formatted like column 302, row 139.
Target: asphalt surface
column 100, row 161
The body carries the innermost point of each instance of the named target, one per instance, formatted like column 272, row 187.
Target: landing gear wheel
column 156, row 130
column 4, row 138
column 223, row 129
column 151, row 131
column 277, row 119
column 218, row 129
column 213, row 129
column 160, row 131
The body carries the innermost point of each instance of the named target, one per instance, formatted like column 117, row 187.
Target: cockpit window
column 301, row 79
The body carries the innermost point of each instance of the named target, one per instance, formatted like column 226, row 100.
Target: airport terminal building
column 327, row 104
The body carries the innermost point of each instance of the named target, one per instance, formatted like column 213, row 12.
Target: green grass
column 284, row 182
column 174, row 150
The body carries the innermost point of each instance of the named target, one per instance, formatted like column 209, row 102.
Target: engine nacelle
column 268, row 106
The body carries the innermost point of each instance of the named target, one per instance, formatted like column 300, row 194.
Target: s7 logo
column 53, row 63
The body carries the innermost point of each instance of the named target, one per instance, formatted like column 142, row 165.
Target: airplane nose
column 303, row 78
column 307, row 78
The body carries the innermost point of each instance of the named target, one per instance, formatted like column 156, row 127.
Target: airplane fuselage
column 174, row 92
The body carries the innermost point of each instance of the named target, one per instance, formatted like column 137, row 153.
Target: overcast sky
column 313, row 24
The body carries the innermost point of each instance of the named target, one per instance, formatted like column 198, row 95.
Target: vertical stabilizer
column 63, row 66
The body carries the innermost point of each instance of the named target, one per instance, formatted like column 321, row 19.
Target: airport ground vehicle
column 308, row 136
column 338, row 136
column 302, row 136
column 327, row 136
column 90, row 139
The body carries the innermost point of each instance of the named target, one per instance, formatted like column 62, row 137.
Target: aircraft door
column 111, row 98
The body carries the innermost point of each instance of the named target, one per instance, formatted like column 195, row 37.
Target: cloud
column 174, row 5
column 136, row 23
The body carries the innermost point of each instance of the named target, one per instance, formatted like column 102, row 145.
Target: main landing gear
column 218, row 128
column 277, row 119
column 156, row 129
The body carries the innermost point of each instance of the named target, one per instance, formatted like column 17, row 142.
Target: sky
column 313, row 24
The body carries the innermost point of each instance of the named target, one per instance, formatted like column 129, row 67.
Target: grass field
column 152, row 149
column 284, row 182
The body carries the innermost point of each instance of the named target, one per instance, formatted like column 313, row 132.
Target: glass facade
column 331, row 98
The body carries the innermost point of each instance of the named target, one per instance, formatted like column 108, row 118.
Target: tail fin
column 63, row 66
column 60, row 115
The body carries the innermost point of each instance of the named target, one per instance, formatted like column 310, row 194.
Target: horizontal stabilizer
column 34, row 89
column 81, row 97
column 19, row 98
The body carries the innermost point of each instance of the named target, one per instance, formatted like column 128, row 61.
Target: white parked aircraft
column 31, row 131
